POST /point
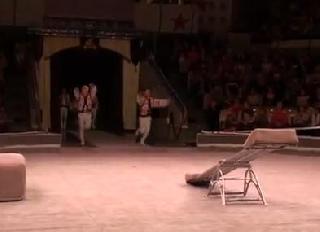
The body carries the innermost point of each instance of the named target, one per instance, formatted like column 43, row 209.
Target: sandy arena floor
column 134, row 189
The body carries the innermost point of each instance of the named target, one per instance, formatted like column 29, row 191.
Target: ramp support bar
column 218, row 181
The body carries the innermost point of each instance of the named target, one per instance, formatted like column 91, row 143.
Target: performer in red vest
column 84, row 113
column 144, row 101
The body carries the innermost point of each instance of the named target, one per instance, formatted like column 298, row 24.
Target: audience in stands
column 240, row 91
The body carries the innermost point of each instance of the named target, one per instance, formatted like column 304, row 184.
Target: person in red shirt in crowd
column 233, row 119
column 235, row 107
column 231, row 122
column 279, row 117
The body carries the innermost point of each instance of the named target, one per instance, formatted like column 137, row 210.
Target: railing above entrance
column 86, row 28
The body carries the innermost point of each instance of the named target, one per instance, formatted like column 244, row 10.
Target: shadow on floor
column 70, row 139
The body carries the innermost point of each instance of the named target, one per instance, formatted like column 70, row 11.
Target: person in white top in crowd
column 64, row 109
column 76, row 93
column 84, row 113
column 144, row 101
column 95, row 104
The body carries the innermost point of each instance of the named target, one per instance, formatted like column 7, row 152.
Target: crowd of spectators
column 301, row 19
column 245, row 90
column 289, row 19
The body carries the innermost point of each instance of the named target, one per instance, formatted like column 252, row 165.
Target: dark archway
column 76, row 67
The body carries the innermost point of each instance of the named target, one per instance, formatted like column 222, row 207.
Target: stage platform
column 30, row 141
column 120, row 187
column 234, row 139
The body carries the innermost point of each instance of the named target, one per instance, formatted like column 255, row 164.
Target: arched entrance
column 76, row 66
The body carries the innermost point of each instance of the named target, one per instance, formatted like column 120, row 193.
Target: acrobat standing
column 84, row 113
column 144, row 101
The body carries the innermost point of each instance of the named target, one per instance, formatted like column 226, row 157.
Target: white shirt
column 65, row 100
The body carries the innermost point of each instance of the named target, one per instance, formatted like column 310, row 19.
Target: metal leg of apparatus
column 246, row 183
column 218, row 182
column 255, row 181
column 223, row 190
column 218, row 186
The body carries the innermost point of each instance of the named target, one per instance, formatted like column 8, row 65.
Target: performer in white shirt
column 64, row 109
column 84, row 113
column 144, row 101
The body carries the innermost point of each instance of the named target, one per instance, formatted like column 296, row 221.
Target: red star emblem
column 179, row 22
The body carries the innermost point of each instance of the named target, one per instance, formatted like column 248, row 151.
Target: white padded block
column 12, row 177
column 272, row 137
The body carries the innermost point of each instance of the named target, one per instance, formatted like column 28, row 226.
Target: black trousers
column 212, row 119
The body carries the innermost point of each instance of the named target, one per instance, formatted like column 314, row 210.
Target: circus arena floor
column 120, row 186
